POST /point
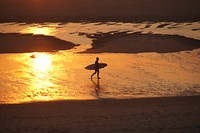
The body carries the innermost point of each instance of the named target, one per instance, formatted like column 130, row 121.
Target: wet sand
column 167, row 114
column 122, row 42
column 23, row 43
column 111, row 42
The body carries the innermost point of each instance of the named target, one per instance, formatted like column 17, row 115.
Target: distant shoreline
column 87, row 19
column 101, row 11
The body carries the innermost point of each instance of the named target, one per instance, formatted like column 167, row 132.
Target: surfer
column 96, row 68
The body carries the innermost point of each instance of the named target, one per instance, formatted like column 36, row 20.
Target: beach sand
column 17, row 43
column 121, row 42
column 166, row 114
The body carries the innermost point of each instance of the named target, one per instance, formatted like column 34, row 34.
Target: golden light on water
column 41, row 83
column 41, row 62
column 45, row 76
column 38, row 30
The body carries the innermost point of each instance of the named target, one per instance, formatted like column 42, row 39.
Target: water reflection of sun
column 45, row 76
column 38, row 30
column 41, row 83
column 42, row 62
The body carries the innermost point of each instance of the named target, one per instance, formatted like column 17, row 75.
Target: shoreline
column 138, row 98
column 163, row 114
column 100, row 100
column 86, row 19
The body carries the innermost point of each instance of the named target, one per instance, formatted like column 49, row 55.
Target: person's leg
column 93, row 74
column 98, row 74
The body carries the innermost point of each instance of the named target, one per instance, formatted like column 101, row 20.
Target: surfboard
column 92, row 66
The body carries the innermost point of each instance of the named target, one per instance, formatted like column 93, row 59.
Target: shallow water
column 76, row 32
column 61, row 75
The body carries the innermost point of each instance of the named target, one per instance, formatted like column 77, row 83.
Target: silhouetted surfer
column 96, row 68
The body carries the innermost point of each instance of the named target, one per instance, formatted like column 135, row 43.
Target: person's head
column 97, row 58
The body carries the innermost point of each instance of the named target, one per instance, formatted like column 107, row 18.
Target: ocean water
column 61, row 75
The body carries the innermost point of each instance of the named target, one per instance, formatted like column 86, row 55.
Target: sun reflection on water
column 41, row 83
column 42, row 62
column 49, row 78
column 38, row 30
column 44, row 76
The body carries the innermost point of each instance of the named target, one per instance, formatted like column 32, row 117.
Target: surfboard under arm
column 92, row 66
